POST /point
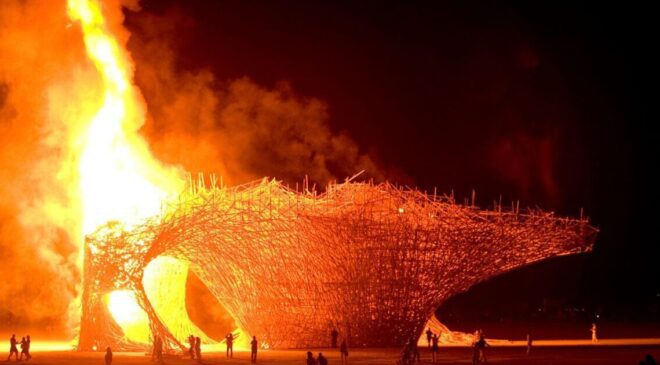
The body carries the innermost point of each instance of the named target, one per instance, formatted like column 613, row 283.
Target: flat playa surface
column 550, row 355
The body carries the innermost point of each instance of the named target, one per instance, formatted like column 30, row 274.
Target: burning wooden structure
column 373, row 261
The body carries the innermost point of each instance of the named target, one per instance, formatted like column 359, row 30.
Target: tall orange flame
column 119, row 178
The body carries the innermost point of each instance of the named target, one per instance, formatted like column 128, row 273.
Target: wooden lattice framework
column 374, row 261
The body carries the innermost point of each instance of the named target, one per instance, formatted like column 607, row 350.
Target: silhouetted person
column 529, row 344
column 594, row 337
column 23, row 348
column 12, row 348
column 230, row 345
column 253, row 344
column 191, row 350
column 108, row 356
column 649, row 360
column 434, row 348
column 343, row 350
column 28, row 341
column 322, row 360
column 198, row 349
column 480, row 345
column 310, row 359
column 429, row 335
column 334, row 335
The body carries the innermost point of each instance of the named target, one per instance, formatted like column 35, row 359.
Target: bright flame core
column 119, row 178
column 128, row 314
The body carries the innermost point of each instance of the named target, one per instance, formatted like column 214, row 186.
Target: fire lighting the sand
column 374, row 261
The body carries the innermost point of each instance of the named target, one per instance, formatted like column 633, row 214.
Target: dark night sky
column 544, row 102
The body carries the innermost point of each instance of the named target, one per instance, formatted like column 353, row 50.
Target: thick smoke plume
column 234, row 128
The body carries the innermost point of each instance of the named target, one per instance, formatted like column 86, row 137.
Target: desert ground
column 557, row 354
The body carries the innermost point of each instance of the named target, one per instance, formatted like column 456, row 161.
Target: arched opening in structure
column 173, row 291
column 204, row 309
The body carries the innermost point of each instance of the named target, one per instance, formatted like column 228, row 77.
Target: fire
column 128, row 314
column 119, row 178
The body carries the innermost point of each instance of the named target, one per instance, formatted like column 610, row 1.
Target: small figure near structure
column 594, row 337
column 108, row 356
column 322, row 360
column 230, row 345
column 191, row 350
column 23, row 349
column 310, row 359
column 479, row 345
column 529, row 343
column 198, row 349
column 343, row 350
column 429, row 336
column 254, row 343
column 13, row 350
column 27, row 347
column 334, row 335
column 434, row 348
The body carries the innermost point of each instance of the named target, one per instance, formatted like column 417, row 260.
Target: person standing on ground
column 191, row 350
column 230, row 345
column 481, row 345
column 322, row 360
column 108, row 356
column 334, row 335
column 23, row 349
column 594, row 337
column 434, row 348
column 310, row 358
column 343, row 349
column 529, row 344
column 12, row 348
column 254, row 344
column 198, row 349
column 28, row 341
column 429, row 336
